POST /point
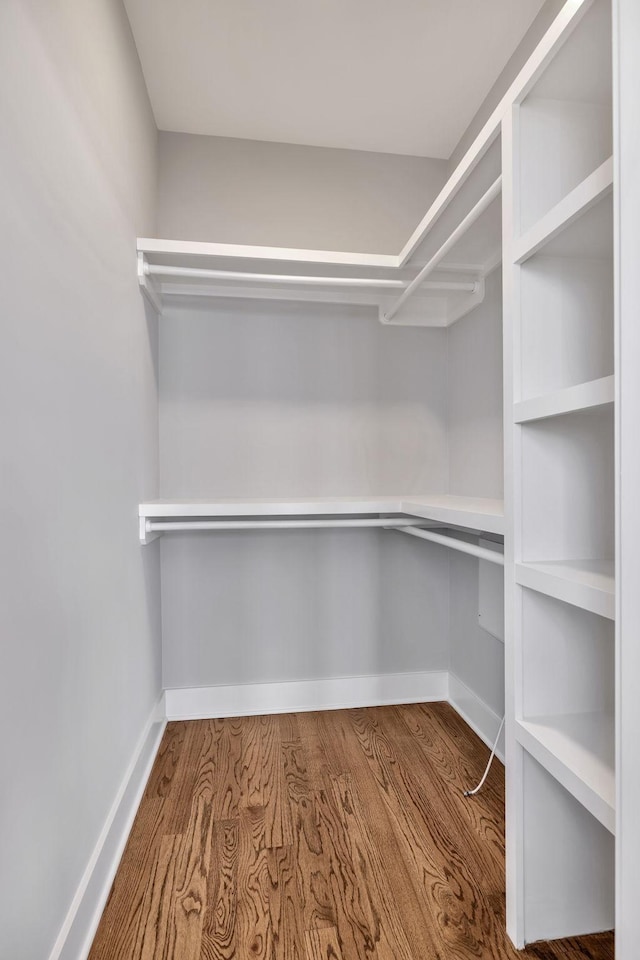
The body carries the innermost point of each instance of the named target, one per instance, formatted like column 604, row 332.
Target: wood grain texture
column 320, row 836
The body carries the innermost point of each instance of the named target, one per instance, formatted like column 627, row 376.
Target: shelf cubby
column 568, row 699
column 568, row 488
column 587, row 240
column 566, row 296
column 568, row 857
column 565, row 122
column 578, row 751
column 589, row 584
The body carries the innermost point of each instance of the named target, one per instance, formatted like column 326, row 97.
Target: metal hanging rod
column 431, row 265
column 158, row 526
column 461, row 545
column 159, row 270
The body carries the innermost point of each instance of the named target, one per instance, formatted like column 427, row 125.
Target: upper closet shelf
column 435, row 294
column 434, row 284
column 439, row 281
column 435, row 279
column 158, row 516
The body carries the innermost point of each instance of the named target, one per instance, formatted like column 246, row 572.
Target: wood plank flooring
column 339, row 835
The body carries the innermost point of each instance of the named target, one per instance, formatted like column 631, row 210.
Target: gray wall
column 475, row 656
column 245, row 191
column 298, row 605
column 267, row 400
column 270, row 400
column 79, row 616
column 295, row 400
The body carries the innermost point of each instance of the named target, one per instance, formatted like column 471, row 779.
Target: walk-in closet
column 320, row 480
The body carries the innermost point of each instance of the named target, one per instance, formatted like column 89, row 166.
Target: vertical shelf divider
column 514, row 754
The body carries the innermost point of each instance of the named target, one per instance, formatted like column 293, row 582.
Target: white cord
column 471, row 793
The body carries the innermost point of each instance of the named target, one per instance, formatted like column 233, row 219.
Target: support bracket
column 147, row 285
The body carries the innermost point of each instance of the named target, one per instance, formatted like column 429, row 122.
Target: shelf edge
column 593, row 801
column 582, row 397
column 600, row 602
column 576, row 203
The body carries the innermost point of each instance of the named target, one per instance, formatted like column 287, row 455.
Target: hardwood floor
column 319, row 836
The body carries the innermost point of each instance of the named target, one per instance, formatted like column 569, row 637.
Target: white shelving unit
column 559, row 410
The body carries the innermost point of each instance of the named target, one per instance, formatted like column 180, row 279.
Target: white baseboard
column 336, row 693
column 476, row 713
column 78, row 930
column 250, row 699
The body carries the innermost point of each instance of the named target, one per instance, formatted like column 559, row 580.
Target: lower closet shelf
column 476, row 513
column 589, row 584
column 579, row 751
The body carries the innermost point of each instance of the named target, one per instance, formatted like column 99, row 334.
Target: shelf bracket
column 147, row 286
column 146, row 535
column 468, row 304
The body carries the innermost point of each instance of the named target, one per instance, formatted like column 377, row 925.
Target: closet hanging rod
column 160, row 526
column 461, row 545
column 450, row 242
column 198, row 273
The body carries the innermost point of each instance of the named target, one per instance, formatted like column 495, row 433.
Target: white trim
column 79, row 927
column 333, row 693
column 476, row 713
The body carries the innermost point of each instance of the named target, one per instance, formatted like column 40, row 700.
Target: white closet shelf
column 583, row 396
column 172, row 269
column 468, row 512
column 579, row 751
column 433, row 291
column 475, row 513
column 575, row 205
column 589, row 584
